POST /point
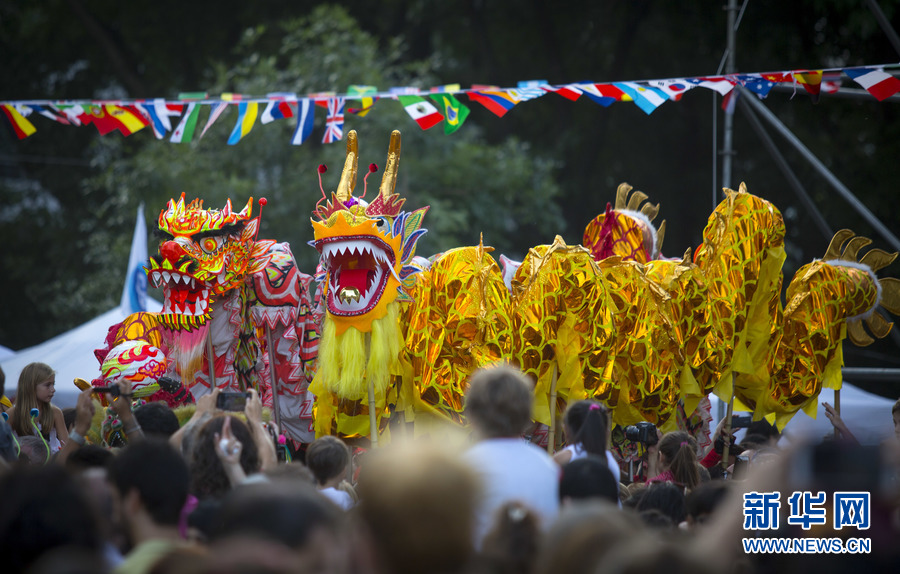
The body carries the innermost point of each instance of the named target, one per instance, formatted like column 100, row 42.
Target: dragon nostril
column 171, row 251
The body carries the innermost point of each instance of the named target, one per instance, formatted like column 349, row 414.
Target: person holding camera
column 674, row 459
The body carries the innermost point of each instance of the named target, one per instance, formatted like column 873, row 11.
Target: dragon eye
column 210, row 245
column 382, row 223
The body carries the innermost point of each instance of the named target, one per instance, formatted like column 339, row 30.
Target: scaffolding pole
column 842, row 189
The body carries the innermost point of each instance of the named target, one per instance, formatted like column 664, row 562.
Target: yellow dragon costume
column 608, row 320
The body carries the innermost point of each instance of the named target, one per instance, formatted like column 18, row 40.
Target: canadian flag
column 422, row 111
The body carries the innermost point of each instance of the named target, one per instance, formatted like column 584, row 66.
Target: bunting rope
column 427, row 107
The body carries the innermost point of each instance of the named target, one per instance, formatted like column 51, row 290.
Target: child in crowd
column 587, row 431
column 37, row 385
column 329, row 460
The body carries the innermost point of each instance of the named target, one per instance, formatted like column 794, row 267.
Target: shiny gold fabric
column 457, row 322
column 741, row 259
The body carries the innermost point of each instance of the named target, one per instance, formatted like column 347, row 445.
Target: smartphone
column 232, row 401
column 741, row 421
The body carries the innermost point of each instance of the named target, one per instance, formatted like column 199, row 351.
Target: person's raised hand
column 84, row 411
column 228, row 448
column 253, row 408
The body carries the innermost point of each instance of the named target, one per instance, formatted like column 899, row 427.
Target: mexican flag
column 421, row 110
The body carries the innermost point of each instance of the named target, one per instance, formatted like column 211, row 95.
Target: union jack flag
column 334, row 122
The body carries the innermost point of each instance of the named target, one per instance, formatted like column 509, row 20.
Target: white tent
column 71, row 354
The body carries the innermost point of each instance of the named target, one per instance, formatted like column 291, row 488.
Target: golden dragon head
column 366, row 248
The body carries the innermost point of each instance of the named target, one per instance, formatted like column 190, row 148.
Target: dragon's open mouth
column 183, row 294
column 358, row 269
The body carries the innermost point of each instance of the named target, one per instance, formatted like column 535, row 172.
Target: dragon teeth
column 166, row 276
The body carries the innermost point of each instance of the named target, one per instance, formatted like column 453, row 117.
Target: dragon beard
column 187, row 352
column 349, row 361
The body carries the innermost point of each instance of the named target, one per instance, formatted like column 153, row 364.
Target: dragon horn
column 622, row 195
column 391, row 165
column 348, row 177
column 227, row 211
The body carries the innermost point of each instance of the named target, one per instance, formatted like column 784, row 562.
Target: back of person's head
column 753, row 441
column 588, row 421
column 655, row 554
column 703, row 500
column 208, row 476
column 511, row 545
column 327, row 457
column 283, row 512
column 159, row 475
column 2, row 382
column 582, row 536
column 588, row 477
column 43, row 508
column 764, row 428
column 89, row 456
column 679, row 450
column 31, row 376
column 656, row 519
column 418, row 505
column 291, row 472
column 665, row 497
column 33, row 450
column 157, row 419
column 9, row 446
column 499, row 400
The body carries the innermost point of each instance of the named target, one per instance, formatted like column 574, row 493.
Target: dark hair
column 205, row 516
column 498, row 401
column 89, row 456
column 753, row 441
column 2, row 382
column 43, row 508
column 208, row 476
column 68, row 417
column 656, row 519
column 665, row 497
column 327, row 457
column 764, row 428
column 157, row 419
column 511, row 545
column 158, row 473
column 589, row 423
column 680, row 450
column 705, row 498
column 896, row 407
column 588, row 477
column 285, row 512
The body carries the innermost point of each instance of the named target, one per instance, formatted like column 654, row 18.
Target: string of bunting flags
column 177, row 119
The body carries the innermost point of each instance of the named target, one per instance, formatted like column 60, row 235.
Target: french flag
column 876, row 81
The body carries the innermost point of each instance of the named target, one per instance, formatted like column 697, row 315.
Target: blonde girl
column 37, row 385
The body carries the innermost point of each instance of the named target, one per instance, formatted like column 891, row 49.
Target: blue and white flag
column 134, row 295
column 305, row 116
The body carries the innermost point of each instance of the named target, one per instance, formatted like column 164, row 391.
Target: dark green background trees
column 68, row 196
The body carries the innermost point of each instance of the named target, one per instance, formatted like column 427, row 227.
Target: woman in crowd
column 674, row 459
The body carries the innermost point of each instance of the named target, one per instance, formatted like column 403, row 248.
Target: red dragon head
column 203, row 253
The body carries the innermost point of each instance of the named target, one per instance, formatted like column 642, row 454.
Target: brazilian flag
column 455, row 113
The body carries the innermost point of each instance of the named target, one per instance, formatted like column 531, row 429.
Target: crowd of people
column 212, row 494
